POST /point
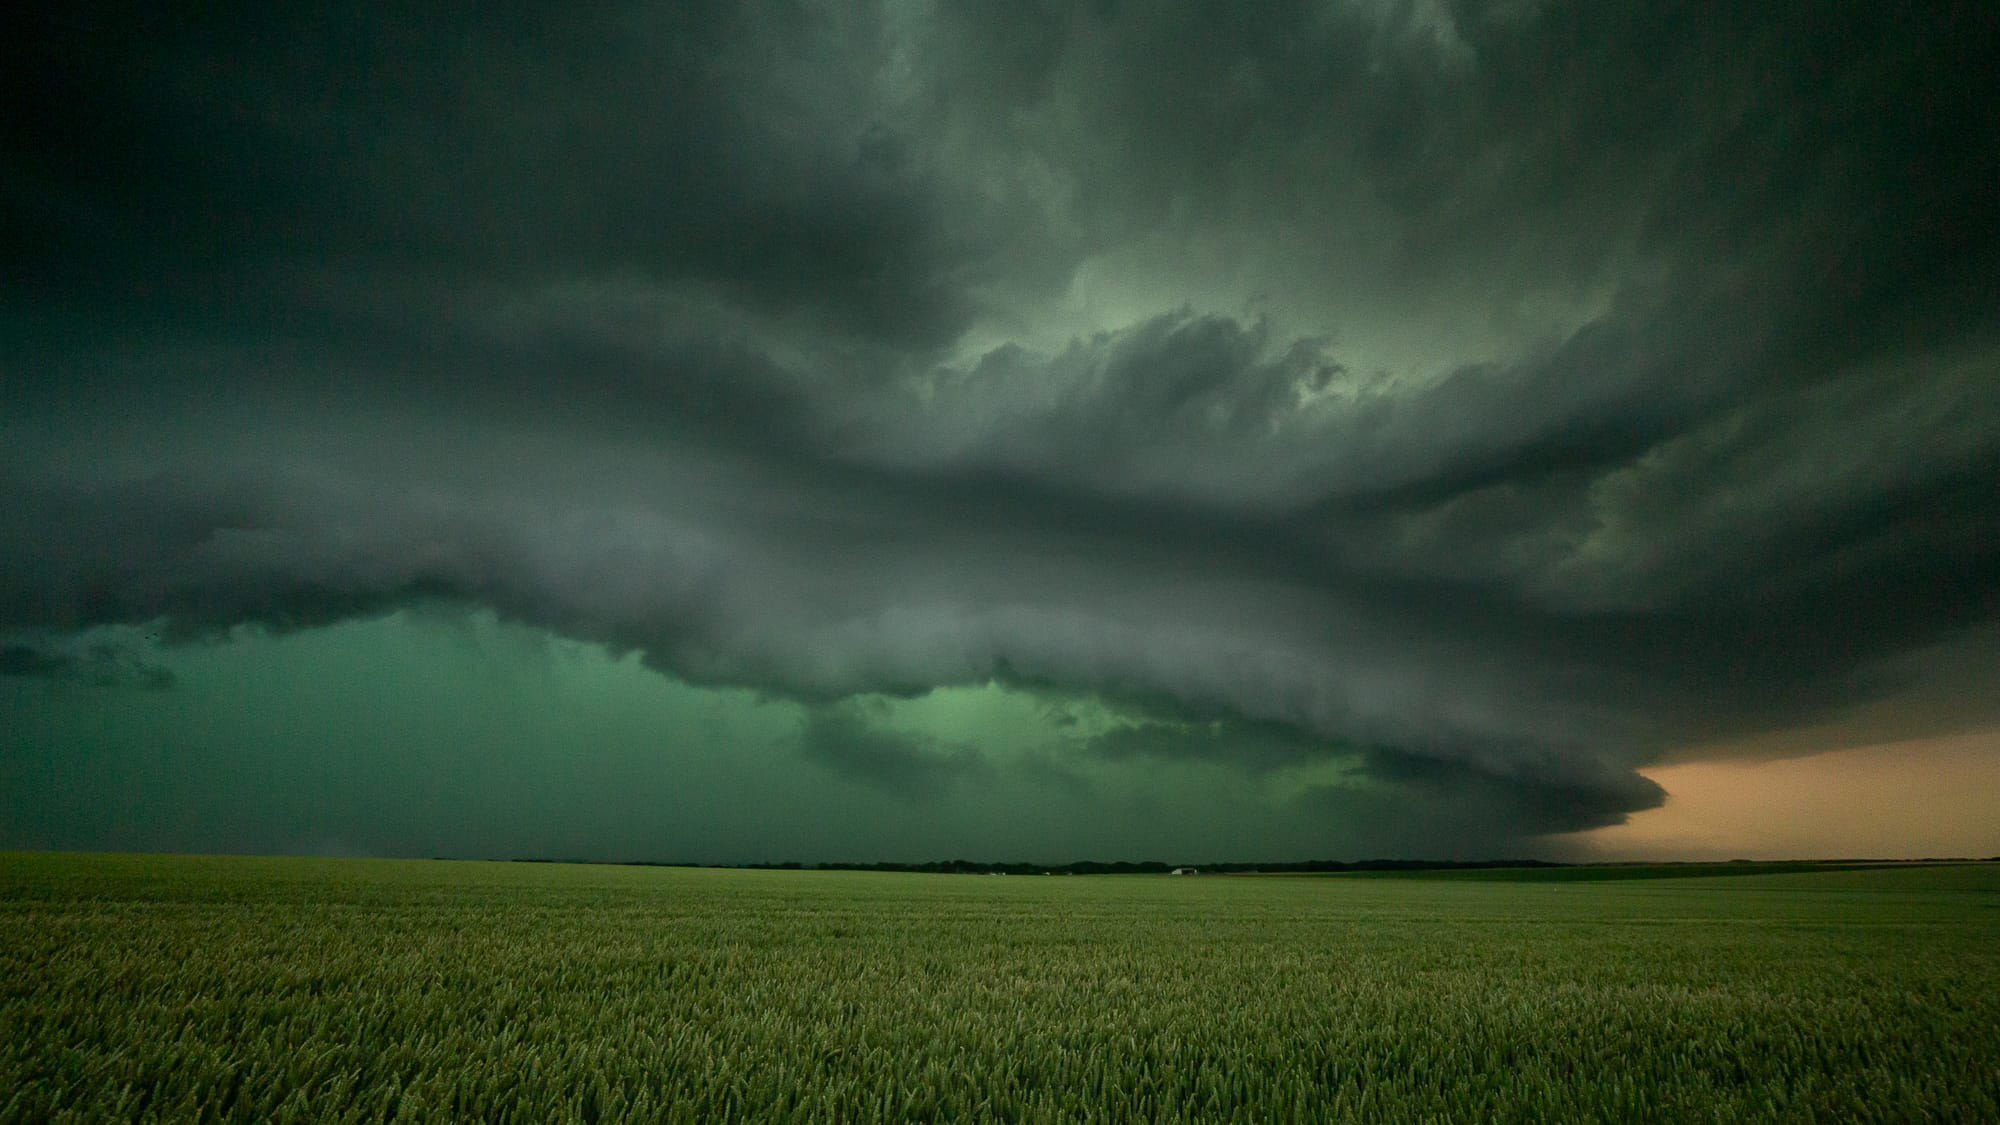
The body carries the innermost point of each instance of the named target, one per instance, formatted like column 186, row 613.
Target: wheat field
column 153, row 988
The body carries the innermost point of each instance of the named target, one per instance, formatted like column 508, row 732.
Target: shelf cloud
column 1487, row 401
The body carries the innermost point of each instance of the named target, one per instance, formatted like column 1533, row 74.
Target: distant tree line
column 1149, row 867
column 1630, row 868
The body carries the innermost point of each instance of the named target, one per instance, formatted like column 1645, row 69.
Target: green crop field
column 164, row 988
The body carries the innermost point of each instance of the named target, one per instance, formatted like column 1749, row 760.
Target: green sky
column 441, row 732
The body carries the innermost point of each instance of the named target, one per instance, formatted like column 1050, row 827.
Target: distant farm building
column 1186, row 871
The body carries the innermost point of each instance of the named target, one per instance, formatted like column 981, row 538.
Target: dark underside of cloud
column 1495, row 397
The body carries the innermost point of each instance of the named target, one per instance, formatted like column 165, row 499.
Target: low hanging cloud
column 1501, row 397
column 843, row 741
column 98, row 664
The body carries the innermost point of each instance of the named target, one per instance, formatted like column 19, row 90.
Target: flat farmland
column 154, row 988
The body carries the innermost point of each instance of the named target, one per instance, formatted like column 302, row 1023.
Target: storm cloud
column 1481, row 401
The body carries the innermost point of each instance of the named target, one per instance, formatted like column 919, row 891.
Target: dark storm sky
column 1352, row 427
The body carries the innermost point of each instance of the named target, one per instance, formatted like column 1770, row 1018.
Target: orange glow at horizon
column 1932, row 797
